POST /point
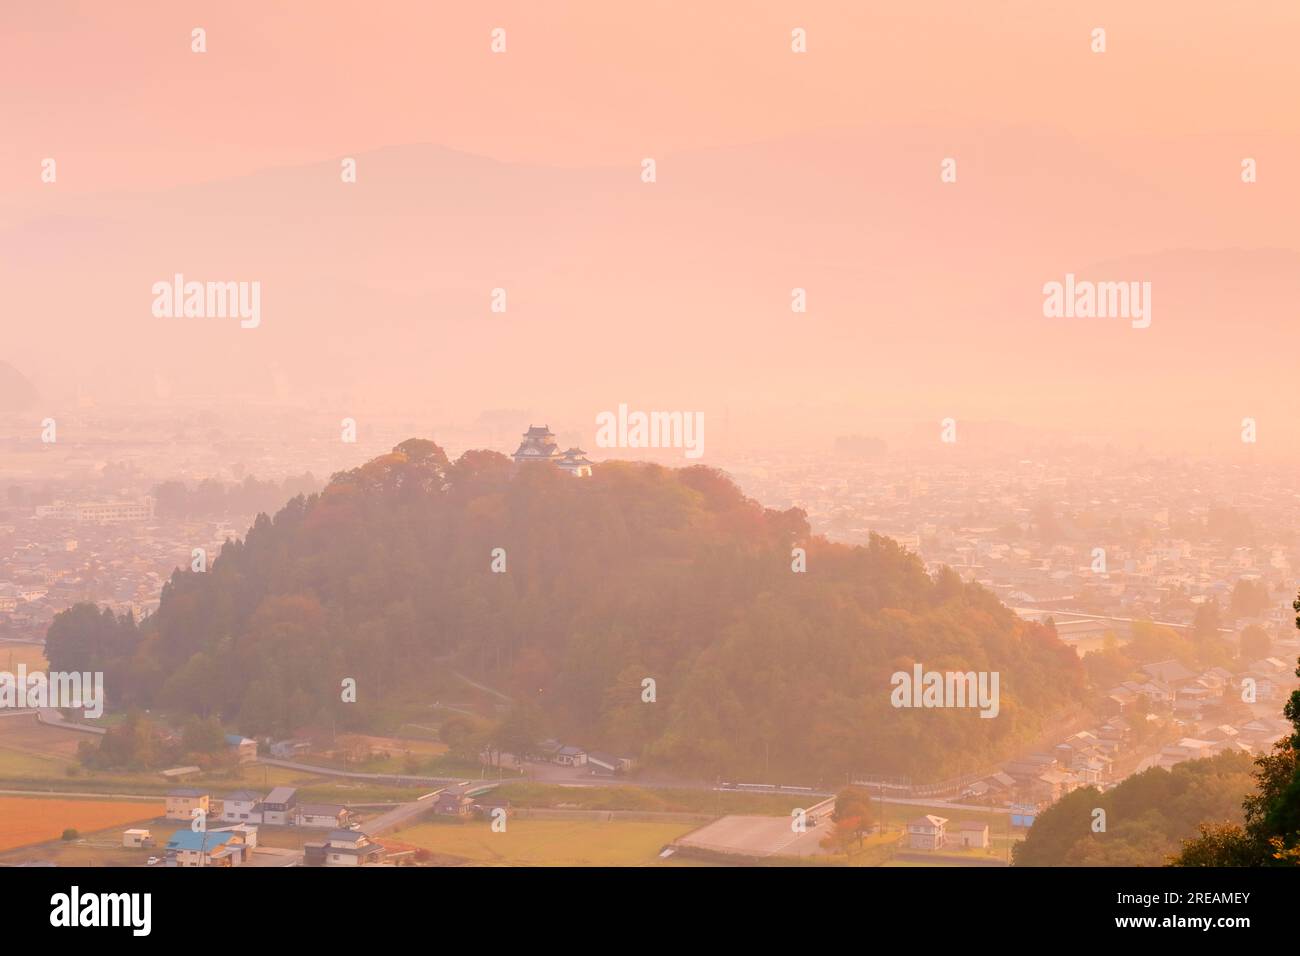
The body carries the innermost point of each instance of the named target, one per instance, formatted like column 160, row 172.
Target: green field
column 17, row 764
column 547, row 842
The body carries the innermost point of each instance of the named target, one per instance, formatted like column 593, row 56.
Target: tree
column 1255, row 644
column 853, row 817
column 387, row 576
column 1205, row 622
column 202, row 736
column 1249, row 598
column 519, row 732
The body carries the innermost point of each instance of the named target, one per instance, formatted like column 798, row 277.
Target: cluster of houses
column 58, row 553
column 280, row 807
column 245, row 811
column 1168, row 689
column 1086, row 758
column 1171, row 688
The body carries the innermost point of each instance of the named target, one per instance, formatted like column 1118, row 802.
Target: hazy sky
column 776, row 170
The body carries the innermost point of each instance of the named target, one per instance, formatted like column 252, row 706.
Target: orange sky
column 114, row 91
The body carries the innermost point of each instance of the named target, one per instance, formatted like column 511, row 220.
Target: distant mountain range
column 924, row 299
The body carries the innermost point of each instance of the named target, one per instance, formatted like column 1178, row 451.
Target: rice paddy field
column 529, row 842
column 28, row 820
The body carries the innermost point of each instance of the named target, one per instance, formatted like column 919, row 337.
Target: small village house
column 137, row 838
column 330, row 816
column 927, row 833
column 278, row 807
column 207, row 848
column 971, row 833
column 244, row 747
column 181, row 804
column 343, row 848
column 240, row 807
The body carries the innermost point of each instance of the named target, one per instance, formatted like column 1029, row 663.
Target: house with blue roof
column 245, row 747
column 208, row 848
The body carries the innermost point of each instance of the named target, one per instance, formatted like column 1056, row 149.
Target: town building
column 181, row 804
column 971, row 833
column 244, row 747
column 240, row 807
column 329, row 816
column 575, row 462
column 205, row 848
column 137, row 838
column 927, row 833
column 343, row 848
column 538, row 445
column 278, row 807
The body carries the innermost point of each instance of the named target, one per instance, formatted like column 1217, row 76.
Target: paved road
column 155, row 798
column 393, row 779
column 407, row 812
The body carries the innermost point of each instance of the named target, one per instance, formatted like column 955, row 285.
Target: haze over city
column 592, row 435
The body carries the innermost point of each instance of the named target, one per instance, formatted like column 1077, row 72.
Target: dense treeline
column 638, row 571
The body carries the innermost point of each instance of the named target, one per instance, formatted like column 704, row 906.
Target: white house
column 329, row 816
column 343, row 848
column 971, row 833
column 241, row 807
column 571, row 756
column 137, row 838
column 278, row 807
column 927, row 832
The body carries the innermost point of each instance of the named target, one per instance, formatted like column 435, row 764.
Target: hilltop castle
column 539, row 445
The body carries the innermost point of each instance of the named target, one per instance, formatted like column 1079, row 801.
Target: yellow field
column 25, row 820
column 21, row 733
column 391, row 745
column 547, row 842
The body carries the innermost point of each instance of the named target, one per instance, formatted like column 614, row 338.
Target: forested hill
column 637, row 571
